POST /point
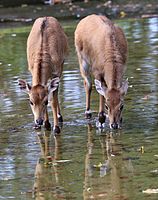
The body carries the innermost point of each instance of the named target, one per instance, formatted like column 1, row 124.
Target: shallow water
column 81, row 163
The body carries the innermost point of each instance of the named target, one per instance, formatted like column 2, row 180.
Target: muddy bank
column 26, row 14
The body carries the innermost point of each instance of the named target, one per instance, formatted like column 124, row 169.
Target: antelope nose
column 114, row 126
column 39, row 121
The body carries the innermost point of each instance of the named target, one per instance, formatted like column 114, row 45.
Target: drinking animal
column 102, row 52
column 46, row 50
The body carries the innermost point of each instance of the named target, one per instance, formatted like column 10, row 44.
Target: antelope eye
column 121, row 107
column 31, row 103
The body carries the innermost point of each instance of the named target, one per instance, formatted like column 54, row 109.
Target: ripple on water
column 79, row 141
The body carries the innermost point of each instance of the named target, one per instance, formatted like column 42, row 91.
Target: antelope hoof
column 102, row 117
column 56, row 130
column 60, row 118
column 114, row 126
column 37, row 127
column 47, row 125
column 88, row 114
column 99, row 125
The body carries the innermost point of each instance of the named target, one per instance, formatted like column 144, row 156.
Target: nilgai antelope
column 46, row 50
column 102, row 51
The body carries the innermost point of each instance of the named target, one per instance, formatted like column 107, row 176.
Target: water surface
column 81, row 163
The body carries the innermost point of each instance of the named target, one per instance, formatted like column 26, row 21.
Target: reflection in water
column 110, row 165
column 102, row 180
column 47, row 183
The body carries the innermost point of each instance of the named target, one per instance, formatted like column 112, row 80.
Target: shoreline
column 27, row 14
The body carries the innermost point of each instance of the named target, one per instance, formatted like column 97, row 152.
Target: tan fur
column 47, row 47
column 102, row 51
column 46, row 50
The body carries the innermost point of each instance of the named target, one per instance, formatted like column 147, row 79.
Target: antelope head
column 38, row 98
column 114, row 102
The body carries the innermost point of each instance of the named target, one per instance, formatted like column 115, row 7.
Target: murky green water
column 81, row 163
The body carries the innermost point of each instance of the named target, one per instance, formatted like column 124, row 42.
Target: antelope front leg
column 47, row 124
column 101, row 115
column 56, row 128
column 60, row 118
column 85, row 72
column 88, row 89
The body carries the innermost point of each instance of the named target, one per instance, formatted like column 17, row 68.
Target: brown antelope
column 102, row 51
column 46, row 51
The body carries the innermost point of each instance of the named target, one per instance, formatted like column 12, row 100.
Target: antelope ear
column 100, row 89
column 53, row 85
column 24, row 86
column 124, row 87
